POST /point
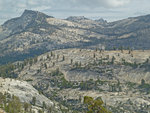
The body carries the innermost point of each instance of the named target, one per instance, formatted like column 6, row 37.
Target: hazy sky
column 110, row 10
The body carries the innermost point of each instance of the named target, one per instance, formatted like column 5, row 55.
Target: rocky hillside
column 127, row 64
column 27, row 94
column 120, row 78
column 34, row 33
column 24, row 91
column 70, row 61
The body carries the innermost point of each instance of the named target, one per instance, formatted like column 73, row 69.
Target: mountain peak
column 76, row 18
column 27, row 18
column 34, row 14
column 101, row 20
column 26, row 11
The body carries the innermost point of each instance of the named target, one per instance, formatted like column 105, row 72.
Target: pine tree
column 34, row 100
column 95, row 106
column 63, row 58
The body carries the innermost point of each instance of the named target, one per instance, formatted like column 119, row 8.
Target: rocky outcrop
column 24, row 91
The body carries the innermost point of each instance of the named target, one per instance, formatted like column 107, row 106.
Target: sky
column 110, row 10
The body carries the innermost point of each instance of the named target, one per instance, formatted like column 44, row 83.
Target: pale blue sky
column 110, row 10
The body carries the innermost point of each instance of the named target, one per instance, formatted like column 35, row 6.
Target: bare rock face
column 1, row 111
column 24, row 91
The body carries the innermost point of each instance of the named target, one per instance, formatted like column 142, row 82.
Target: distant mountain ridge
column 34, row 33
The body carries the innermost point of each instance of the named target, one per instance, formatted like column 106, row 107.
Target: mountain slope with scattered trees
column 35, row 33
column 67, row 75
